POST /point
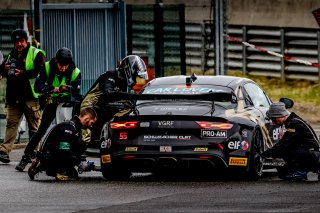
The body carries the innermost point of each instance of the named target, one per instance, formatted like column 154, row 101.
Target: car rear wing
column 214, row 96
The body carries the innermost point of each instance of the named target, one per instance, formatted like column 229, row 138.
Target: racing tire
column 113, row 174
column 255, row 159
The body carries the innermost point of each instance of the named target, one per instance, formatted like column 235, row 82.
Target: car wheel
column 111, row 173
column 256, row 161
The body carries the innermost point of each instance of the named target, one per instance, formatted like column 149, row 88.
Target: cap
column 18, row 34
column 277, row 110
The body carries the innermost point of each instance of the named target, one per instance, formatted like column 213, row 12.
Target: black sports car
column 214, row 122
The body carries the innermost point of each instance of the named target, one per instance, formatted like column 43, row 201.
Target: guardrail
column 300, row 43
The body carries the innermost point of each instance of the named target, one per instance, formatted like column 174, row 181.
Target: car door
column 261, row 102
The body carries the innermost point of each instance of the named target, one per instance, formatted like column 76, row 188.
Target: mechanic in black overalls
column 62, row 148
column 299, row 146
column 103, row 91
column 59, row 80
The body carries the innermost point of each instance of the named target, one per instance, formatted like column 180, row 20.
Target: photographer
column 20, row 68
column 58, row 81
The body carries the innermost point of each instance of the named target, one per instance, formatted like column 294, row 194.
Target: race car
column 217, row 123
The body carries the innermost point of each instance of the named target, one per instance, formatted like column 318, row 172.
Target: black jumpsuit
column 299, row 146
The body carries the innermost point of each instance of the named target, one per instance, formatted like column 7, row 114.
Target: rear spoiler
column 217, row 96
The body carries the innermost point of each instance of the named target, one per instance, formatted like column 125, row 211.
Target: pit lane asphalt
column 145, row 193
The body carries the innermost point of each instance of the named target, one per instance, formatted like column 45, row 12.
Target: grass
column 305, row 94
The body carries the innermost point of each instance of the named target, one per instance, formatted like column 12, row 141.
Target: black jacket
column 66, row 132
column 298, row 134
column 104, row 90
column 18, row 87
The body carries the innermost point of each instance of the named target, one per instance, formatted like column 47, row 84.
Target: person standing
column 298, row 147
column 20, row 68
column 60, row 79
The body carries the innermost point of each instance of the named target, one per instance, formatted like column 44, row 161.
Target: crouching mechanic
column 62, row 148
column 299, row 146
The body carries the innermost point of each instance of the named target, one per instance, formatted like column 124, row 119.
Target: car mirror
column 287, row 102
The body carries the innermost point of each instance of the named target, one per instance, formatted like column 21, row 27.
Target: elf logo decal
column 238, row 145
column 213, row 133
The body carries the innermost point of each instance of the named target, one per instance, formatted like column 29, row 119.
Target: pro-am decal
column 166, row 137
column 212, row 133
column 234, row 161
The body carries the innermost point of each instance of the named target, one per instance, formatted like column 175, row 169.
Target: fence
column 301, row 43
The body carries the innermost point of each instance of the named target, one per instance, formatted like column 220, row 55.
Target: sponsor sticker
column 291, row 130
column 233, row 161
column 131, row 149
column 210, row 133
column 165, row 124
column 165, row 148
column 105, row 159
column 200, row 149
column 166, row 137
column 244, row 145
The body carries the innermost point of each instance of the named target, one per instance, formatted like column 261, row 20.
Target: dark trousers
column 302, row 159
column 48, row 115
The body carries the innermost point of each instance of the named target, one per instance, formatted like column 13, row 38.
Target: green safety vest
column 56, row 82
column 31, row 55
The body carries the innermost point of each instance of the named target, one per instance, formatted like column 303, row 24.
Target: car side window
column 256, row 95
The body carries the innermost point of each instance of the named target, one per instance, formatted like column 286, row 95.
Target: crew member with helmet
column 112, row 83
column 21, row 68
column 59, row 80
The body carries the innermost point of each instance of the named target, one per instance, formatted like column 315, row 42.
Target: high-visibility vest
column 31, row 55
column 57, row 83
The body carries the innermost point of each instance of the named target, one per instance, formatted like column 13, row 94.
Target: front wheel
column 255, row 159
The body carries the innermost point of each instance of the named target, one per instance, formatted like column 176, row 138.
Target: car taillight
column 214, row 125
column 124, row 125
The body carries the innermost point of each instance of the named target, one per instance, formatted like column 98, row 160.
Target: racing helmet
column 64, row 56
column 131, row 67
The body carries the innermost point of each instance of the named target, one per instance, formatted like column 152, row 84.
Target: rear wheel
column 110, row 172
column 256, row 161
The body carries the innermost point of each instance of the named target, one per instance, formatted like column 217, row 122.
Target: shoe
column 62, row 177
column 297, row 176
column 23, row 163
column 4, row 157
column 34, row 169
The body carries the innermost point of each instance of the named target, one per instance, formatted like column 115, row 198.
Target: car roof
column 219, row 80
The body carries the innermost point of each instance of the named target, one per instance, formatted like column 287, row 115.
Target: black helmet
column 18, row 34
column 133, row 66
column 64, row 56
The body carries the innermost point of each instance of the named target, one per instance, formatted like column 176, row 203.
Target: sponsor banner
column 105, row 158
column 131, row 149
column 234, row 161
column 211, row 133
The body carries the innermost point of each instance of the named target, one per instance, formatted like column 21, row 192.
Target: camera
column 12, row 69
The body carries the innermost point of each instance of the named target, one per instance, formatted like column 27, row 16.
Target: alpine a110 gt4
column 211, row 122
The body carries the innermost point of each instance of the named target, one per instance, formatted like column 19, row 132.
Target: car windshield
column 187, row 90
